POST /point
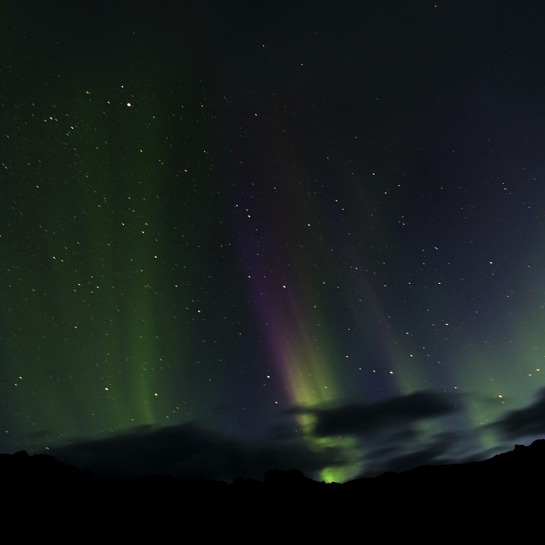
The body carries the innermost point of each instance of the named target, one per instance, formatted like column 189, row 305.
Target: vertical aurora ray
column 301, row 335
column 83, row 322
column 307, row 311
column 402, row 358
column 305, row 369
column 124, row 187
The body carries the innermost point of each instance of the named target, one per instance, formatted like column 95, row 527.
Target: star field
column 241, row 237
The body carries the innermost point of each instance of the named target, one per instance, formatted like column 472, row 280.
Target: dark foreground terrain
column 43, row 497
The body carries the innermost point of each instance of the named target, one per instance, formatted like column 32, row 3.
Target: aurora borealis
column 237, row 236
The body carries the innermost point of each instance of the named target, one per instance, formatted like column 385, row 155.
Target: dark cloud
column 526, row 422
column 190, row 450
column 362, row 419
column 408, row 450
column 187, row 451
column 388, row 436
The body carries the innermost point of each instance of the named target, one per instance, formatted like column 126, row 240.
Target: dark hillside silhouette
column 511, row 472
column 484, row 500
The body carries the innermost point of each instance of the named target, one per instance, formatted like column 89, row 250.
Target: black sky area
column 241, row 235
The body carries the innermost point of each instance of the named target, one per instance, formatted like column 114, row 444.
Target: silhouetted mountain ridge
column 44, row 497
column 521, row 465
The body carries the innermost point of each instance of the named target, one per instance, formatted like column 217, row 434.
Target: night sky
column 237, row 236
